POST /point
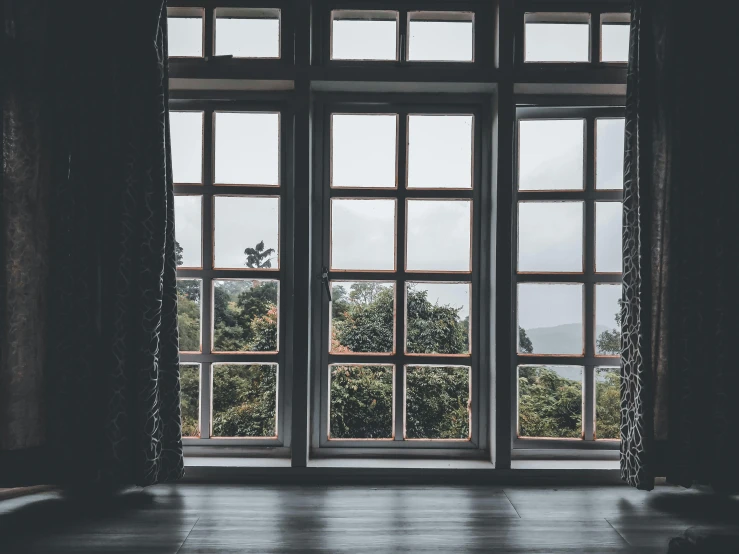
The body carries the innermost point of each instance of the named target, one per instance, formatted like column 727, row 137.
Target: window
column 398, row 226
column 230, row 194
column 400, row 346
column 568, row 272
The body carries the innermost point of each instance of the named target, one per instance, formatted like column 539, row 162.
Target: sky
column 439, row 156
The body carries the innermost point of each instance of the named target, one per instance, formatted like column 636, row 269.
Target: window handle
column 324, row 279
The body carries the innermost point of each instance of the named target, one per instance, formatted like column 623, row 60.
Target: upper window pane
column 248, row 32
column 615, row 33
column 439, row 235
column 550, row 154
column 550, row 236
column 440, row 36
column 364, row 150
column 247, row 232
column 608, row 231
column 364, row 35
column 185, row 36
column 247, row 148
column 186, row 132
column 609, row 147
column 362, row 234
column 557, row 37
column 440, row 151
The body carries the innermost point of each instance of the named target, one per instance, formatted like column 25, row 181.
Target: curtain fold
column 680, row 380
column 111, row 363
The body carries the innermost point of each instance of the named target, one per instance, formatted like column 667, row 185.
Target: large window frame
column 479, row 107
column 207, row 274
column 302, row 85
column 589, row 278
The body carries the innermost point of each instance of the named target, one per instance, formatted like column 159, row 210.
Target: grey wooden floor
column 190, row 518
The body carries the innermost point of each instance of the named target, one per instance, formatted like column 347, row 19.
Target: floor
column 214, row 519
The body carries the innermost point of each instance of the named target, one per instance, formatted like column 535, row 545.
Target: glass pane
column 188, row 314
column 244, row 400
column 190, row 399
column 247, row 232
column 437, row 402
column 248, row 33
column 245, row 315
column 440, row 36
column 438, row 235
column 608, row 320
column 609, row 161
column 550, row 401
column 361, row 399
column 362, row 317
column 364, row 35
column 550, row 155
column 550, row 236
column 247, row 148
column 188, row 231
column 550, row 319
column 438, row 318
column 608, row 403
column 440, row 151
column 557, row 42
column 362, row 234
column 363, row 150
column 186, row 132
column 185, row 37
column 614, row 43
column 608, row 224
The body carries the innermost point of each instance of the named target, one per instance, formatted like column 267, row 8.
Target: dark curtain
column 680, row 387
column 93, row 152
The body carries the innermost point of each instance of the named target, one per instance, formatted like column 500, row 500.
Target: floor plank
column 219, row 519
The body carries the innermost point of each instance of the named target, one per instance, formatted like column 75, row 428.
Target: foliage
column 244, row 400
column 433, row 328
column 609, row 341
column 549, row 405
column 608, row 403
column 363, row 320
column 437, row 400
column 189, row 395
column 245, row 317
column 258, row 257
column 525, row 345
column 361, row 402
column 188, row 314
column 178, row 253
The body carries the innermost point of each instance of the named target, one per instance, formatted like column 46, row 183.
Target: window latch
column 324, row 279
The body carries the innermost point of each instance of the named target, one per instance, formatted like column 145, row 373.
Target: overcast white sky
column 364, row 150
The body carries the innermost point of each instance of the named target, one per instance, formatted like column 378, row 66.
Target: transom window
column 568, row 273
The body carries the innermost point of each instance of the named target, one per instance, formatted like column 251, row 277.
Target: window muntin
column 227, row 325
column 364, row 35
column 432, row 324
column 247, row 32
column 440, row 37
column 562, row 37
column 565, row 312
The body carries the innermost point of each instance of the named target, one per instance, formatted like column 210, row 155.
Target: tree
column 178, row 253
column 549, row 405
column 258, row 257
column 609, row 341
column 433, row 328
column 524, row 342
column 608, row 403
column 244, row 400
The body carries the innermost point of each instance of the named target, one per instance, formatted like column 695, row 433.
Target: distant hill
column 561, row 339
